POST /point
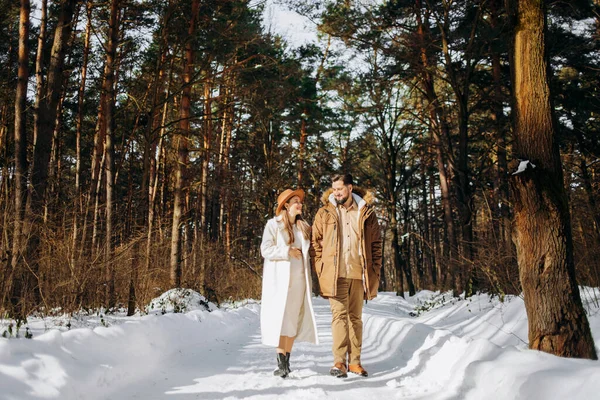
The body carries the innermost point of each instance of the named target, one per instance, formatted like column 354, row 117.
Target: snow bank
column 429, row 346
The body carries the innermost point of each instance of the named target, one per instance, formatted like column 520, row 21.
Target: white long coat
column 276, row 277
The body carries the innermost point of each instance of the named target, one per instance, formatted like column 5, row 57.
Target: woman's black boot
column 282, row 369
column 287, row 363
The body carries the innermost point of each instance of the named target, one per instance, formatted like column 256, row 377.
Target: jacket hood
column 364, row 194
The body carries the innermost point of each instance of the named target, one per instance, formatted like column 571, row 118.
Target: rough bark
column 542, row 235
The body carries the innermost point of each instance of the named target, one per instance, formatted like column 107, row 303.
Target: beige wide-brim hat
column 285, row 196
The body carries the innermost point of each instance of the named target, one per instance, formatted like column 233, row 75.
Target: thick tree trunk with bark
column 557, row 320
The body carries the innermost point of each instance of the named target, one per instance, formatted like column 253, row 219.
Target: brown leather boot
column 357, row 369
column 339, row 370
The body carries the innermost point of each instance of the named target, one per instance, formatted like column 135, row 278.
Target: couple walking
column 344, row 246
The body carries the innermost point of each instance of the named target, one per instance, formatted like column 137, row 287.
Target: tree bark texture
column 542, row 235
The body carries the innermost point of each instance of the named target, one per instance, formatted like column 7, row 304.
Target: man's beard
column 342, row 201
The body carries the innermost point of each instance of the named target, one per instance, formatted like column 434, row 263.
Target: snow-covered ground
column 426, row 347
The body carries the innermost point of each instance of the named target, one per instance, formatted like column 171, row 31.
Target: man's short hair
column 345, row 178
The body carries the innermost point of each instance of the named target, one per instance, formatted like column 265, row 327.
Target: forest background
column 143, row 143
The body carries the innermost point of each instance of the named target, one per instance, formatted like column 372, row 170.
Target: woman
column 286, row 311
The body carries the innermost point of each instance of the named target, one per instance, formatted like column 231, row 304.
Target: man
column 347, row 247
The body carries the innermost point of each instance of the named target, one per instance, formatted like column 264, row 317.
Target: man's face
column 341, row 192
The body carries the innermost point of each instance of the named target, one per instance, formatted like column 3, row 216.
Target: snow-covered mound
column 179, row 300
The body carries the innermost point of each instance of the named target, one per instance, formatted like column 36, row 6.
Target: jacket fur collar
column 363, row 197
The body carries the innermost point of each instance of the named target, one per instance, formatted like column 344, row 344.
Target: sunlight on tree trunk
column 557, row 320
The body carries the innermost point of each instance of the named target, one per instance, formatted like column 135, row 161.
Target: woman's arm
column 269, row 248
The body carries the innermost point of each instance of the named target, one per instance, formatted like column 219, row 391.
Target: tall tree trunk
column 405, row 247
column 96, row 210
column 133, row 279
column 501, row 187
column 39, row 67
column 439, row 128
column 464, row 200
column 46, row 123
column 302, row 148
column 305, row 116
column 208, row 128
column 55, row 166
column 450, row 241
column 16, row 299
column 557, row 320
column 8, row 214
column 203, row 197
column 396, row 250
column 435, row 237
column 181, row 145
column 153, row 126
column 79, row 201
column 109, row 150
column 48, row 106
column 427, row 239
column 97, row 163
column 154, row 179
column 459, row 75
column 226, row 130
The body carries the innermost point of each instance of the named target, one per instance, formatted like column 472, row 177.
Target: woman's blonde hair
column 300, row 224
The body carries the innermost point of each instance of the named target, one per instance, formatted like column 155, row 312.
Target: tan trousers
column 346, row 323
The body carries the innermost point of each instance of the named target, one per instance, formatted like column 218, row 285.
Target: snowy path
column 460, row 351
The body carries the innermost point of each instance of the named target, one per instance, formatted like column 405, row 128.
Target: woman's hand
column 295, row 252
